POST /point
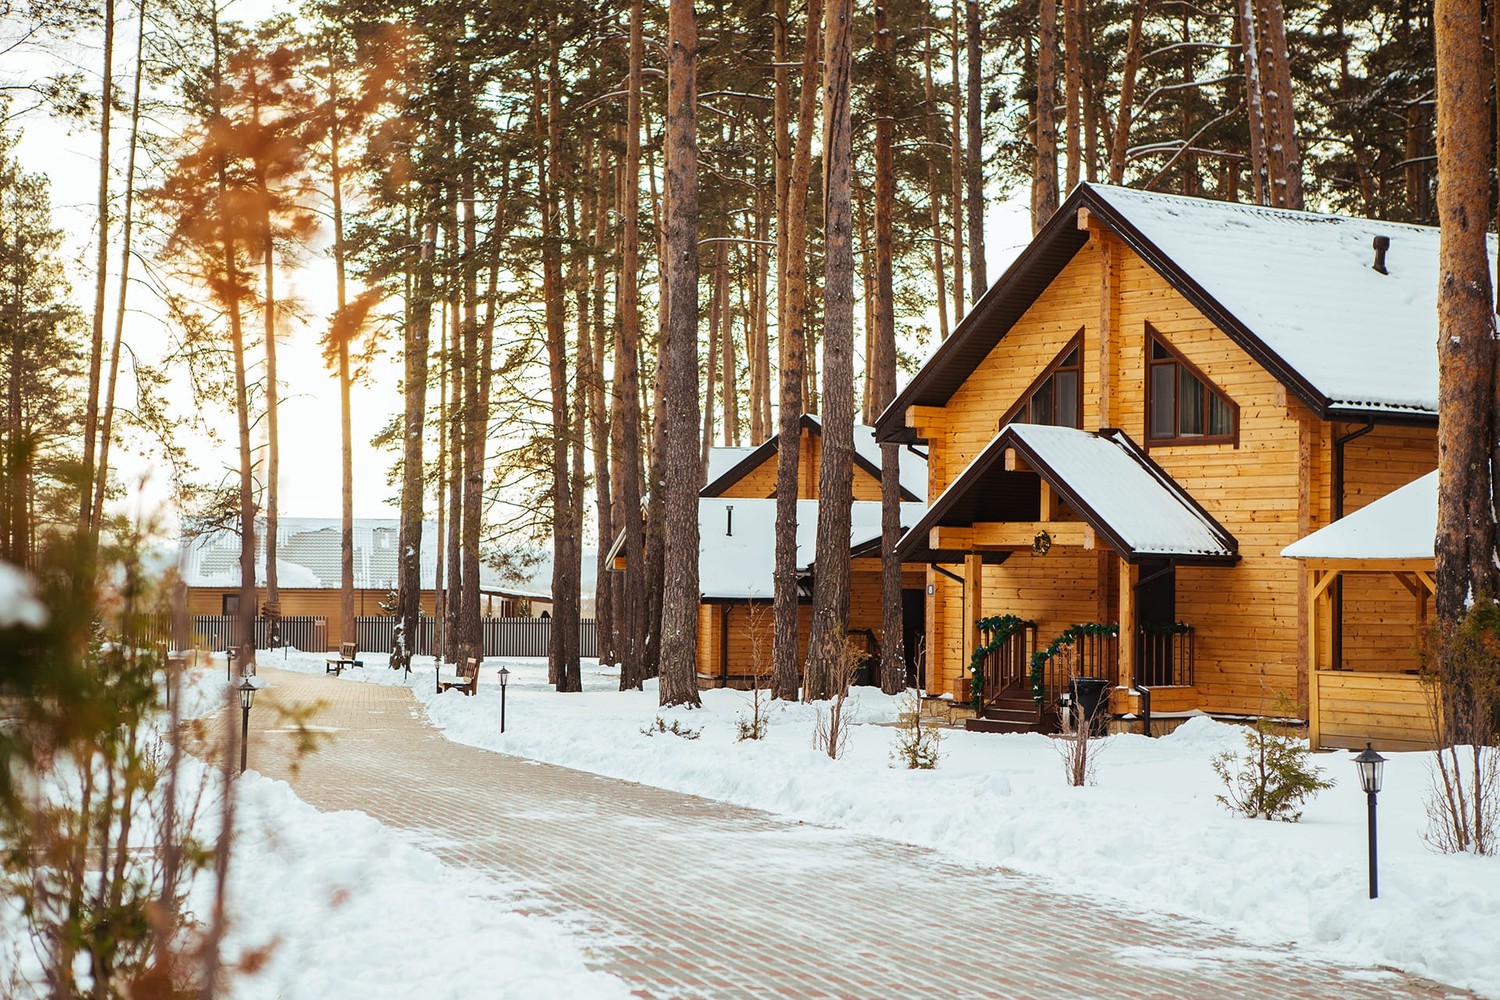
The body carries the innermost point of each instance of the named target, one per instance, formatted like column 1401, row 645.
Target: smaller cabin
column 1379, row 699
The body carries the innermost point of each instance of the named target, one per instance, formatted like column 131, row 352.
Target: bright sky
column 309, row 408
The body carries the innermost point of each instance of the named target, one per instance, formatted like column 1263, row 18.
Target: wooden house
column 1157, row 397
column 736, row 568
column 308, row 573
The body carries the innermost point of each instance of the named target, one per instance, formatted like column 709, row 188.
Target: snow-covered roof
column 1400, row 525
column 1129, row 501
column 737, row 554
column 721, row 460
column 723, row 473
column 1304, row 285
column 1297, row 291
column 308, row 556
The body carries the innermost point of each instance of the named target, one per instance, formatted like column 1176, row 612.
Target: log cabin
column 736, row 526
column 308, row 573
column 1128, row 427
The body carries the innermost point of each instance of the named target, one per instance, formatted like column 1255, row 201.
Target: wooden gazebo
column 1390, row 538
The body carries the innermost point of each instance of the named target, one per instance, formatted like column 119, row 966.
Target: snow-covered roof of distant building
column 737, row 557
column 1296, row 290
column 721, row 460
column 1400, row 525
column 1131, row 503
column 308, row 556
column 913, row 463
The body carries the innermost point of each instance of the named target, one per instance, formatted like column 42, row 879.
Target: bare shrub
column 1078, row 747
column 831, row 733
column 917, row 747
column 754, row 726
column 1462, row 675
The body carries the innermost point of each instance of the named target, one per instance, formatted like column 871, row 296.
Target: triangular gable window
column 1056, row 397
column 1182, row 405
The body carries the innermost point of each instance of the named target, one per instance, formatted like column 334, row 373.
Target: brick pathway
column 686, row 897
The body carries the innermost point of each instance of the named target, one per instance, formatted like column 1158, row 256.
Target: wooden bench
column 467, row 680
column 347, row 652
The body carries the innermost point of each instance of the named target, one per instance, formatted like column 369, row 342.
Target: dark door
column 913, row 634
column 1155, row 604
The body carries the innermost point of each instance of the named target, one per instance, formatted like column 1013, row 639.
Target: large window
column 1056, row 396
column 1182, row 405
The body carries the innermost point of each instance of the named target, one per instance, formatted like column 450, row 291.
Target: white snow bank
column 1148, row 837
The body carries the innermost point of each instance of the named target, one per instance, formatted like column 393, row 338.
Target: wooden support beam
column 1427, row 581
column 1048, row 501
column 1321, row 580
column 1314, row 724
column 1130, row 575
column 1010, row 535
column 1109, row 312
column 927, row 420
column 1010, row 460
column 1084, row 216
column 973, row 603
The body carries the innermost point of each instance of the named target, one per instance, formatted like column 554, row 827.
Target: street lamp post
column 230, row 652
column 1371, row 767
column 247, row 698
column 504, row 677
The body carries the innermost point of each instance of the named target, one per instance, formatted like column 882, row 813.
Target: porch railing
column 1008, row 666
column 1164, row 655
column 1090, row 650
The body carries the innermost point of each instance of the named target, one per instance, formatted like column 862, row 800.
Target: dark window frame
column 1211, row 389
column 1023, row 404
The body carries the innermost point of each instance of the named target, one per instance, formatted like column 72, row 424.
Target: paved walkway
column 686, row 897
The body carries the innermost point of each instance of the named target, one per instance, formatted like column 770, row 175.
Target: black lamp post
column 504, row 677
column 1371, row 767
column 230, row 652
column 247, row 698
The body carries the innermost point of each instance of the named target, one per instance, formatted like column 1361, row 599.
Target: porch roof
column 1400, row 525
column 1127, row 499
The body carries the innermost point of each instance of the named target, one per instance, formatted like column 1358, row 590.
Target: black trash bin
column 1090, row 701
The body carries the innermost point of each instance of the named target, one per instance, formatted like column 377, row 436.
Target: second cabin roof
column 1296, row 290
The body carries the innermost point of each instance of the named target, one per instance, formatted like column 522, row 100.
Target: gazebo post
column 1130, row 575
column 1313, row 727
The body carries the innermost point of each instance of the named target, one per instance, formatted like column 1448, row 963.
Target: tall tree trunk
column 956, row 167
column 1073, row 87
column 592, row 374
column 562, row 645
column 273, row 395
column 473, row 429
column 346, row 416
column 974, row 170
column 1255, row 110
column 934, row 192
column 413, row 431
column 711, row 362
column 453, row 633
column 106, row 427
column 787, row 672
column 827, row 651
column 627, row 375
column 1120, row 144
column 1465, row 547
column 883, row 369
column 729, row 363
column 1044, row 182
column 101, row 274
column 1280, row 116
column 680, row 596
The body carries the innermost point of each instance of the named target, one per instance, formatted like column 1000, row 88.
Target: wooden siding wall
column 760, row 483
column 1380, row 630
column 1268, row 491
column 1384, row 708
column 751, row 625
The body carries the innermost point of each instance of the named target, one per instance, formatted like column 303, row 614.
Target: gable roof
column 1129, row 500
column 1400, row 525
column 866, row 456
column 1295, row 290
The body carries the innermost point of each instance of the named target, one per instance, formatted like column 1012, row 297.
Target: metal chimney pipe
column 1382, row 244
column 729, row 519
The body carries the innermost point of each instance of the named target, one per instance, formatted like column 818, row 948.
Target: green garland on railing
column 1000, row 629
column 1168, row 628
column 1040, row 657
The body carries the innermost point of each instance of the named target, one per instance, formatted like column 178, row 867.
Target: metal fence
column 500, row 636
column 217, row 632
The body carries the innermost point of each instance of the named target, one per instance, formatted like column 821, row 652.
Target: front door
column 913, row 632
column 1155, row 604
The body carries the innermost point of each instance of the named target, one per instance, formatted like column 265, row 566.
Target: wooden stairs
column 1014, row 710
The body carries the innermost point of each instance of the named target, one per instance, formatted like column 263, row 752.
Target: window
column 1056, row 396
column 230, row 604
column 1182, row 405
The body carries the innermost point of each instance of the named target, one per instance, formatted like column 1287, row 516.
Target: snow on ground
column 343, row 906
column 1148, row 836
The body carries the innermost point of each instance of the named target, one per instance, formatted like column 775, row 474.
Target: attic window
column 1056, row 396
column 1182, row 405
